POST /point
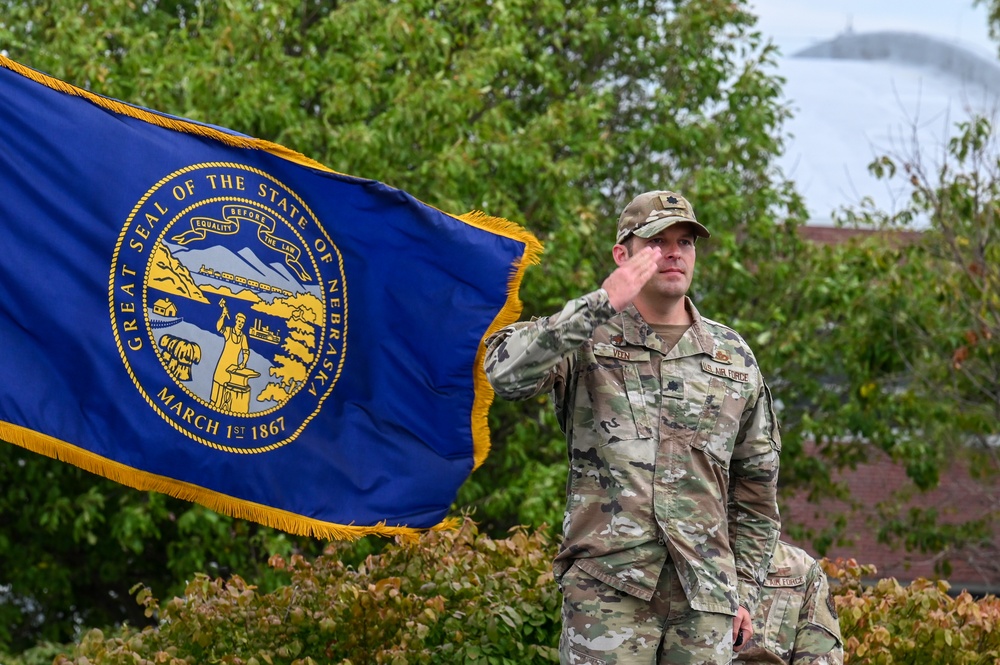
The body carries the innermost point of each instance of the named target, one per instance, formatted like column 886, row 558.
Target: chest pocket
column 621, row 409
column 719, row 420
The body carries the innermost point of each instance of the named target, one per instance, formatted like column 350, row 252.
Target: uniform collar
column 697, row 339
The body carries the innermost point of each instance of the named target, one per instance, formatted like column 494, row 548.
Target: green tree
column 888, row 342
column 547, row 112
column 552, row 114
column 992, row 16
column 72, row 544
column 939, row 305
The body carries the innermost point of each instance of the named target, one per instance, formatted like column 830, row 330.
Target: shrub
column 918, row 624
column 463, row 597
column 40, row 654
column 460, row 597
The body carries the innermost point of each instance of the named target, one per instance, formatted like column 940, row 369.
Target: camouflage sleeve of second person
column 818, row 639
column 527, row 359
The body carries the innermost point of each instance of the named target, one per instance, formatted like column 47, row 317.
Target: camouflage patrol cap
column 651, row 212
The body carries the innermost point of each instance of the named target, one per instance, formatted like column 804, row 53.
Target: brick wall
column 958, row 498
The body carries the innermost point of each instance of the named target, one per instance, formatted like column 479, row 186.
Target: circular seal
column 229, row 306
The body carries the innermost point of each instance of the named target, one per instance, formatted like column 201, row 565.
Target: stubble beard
column 668, row 289
column 659, row 296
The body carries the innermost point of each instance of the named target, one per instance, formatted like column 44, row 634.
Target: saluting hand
column 625, row 283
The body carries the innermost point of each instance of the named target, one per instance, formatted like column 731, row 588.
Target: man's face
column 674, row 263
column 238, row 324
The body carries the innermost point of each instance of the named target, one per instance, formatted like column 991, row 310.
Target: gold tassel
column 220, row 503
column 508, row 314
column 161, row 120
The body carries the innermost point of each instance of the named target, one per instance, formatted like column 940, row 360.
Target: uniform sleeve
column 754, row 523
column 527, row 359
column 818, row 640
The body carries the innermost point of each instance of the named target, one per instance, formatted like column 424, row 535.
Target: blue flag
column 193, row 311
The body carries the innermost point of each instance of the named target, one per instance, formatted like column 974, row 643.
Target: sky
column 793, row 24
column 847, row 112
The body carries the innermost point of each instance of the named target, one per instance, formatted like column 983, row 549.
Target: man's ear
column 620, row 254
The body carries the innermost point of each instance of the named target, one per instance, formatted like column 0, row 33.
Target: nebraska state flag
column 189, row 310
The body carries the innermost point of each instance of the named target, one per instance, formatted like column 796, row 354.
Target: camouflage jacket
column 672, row 454
column 796, row 620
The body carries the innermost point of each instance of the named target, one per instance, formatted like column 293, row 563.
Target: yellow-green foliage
column 456, row 597
column 919, row 624
column 463, row 597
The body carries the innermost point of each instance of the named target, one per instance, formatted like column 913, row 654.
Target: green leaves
column 552, row 114
column 73, row 544
column 462, row 597
column 549, row 113
column 458, row 597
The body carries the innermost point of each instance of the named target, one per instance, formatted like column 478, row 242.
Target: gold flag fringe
column 161, row 120
column 220, row 503
column 508, row 314
column 276, row 518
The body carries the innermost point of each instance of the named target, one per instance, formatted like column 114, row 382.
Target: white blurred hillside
column 862, row 95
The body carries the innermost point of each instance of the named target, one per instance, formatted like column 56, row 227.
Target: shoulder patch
column 831, row 606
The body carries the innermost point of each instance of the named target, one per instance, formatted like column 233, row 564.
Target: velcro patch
column 727, row 372
column 673, row 386
column 798, row 580
column 627, row 355
column 723, row 356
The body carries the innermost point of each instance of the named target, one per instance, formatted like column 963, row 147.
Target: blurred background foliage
column 552, row 114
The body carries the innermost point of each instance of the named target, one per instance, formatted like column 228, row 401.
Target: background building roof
column 794, row 24
column 859, row 96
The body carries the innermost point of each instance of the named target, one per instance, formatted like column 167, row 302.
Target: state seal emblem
column 229, row 306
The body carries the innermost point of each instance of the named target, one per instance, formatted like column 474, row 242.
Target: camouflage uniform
column 673, row 453
column 796, row 623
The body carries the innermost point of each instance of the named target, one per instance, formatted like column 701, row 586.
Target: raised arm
column 526, row 359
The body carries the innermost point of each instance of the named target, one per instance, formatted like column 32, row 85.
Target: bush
column 463, row 597
column 458, row 597
column 40, row 654
column 918, row 624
